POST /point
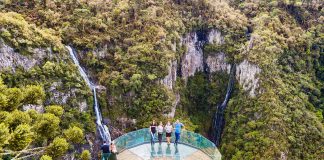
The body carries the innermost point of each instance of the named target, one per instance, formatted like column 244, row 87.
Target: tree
column 3, row 101
column 135, row 81
column 47, row 125
column 57, row 148
column 46, row 157
column 4, row 135
column 21, row 137
column 85, row 155
column 15, row 97
column 34, row 94
column 74, row 134
column 55, row 109
column 82, row 16
column 16, row 118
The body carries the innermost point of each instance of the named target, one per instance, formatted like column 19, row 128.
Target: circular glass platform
column 136, row 146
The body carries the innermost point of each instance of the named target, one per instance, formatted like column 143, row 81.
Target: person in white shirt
column 168, row 130
column 160, row 132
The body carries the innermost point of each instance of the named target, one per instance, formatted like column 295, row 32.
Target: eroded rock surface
column 11, row 59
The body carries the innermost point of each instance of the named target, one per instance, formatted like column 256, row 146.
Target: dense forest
column 129, row 48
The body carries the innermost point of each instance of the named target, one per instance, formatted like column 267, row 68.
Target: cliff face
column 247, row 76
column 194, row 61
column 217, row 62
column 170, row 79
column 11, row 59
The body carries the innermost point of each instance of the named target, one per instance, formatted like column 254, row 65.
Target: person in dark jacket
column 153, row 131
column 105, row 151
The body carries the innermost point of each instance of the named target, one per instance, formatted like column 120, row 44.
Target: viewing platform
column 136, row 145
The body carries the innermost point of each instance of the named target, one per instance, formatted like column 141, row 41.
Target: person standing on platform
column 160, row 132
column 105, row 151
column 113, row 150
column 153, row 131
column 177, row 131
column 168, row 131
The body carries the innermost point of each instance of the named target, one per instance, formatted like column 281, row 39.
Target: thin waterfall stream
column 218, row 119
column 103, row 129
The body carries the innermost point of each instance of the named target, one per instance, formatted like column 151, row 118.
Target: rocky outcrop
column 174, row 106
column 170, row 79
column 59, row 97
column 11, row 59
column 217, row 62
column 38, row 108
column 169, row 82
column 192, row 60
column 247, row 76
column 215, row 37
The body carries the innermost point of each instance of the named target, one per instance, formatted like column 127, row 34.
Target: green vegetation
column 85, row 155
column 46, row 157
column 285, row 120
column 135, row 59
column 199, row 100
column 126, row 46
column 31, row 131
column 74, row 134
column 24, row 36
column 57, row 148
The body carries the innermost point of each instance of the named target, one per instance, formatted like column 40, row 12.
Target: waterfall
column 218, row 120
column 103, row 129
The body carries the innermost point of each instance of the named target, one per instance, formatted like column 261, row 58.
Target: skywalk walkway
column 136, row 146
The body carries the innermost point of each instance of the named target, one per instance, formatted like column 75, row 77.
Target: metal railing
column 142, row 136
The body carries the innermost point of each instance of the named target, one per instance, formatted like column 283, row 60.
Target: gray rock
column 170, row 79
column 247, row 76
column 38, row 108
column 192, row 60
column 11, row 59
column 217, row 62
column 215, row 37
column 83, row 106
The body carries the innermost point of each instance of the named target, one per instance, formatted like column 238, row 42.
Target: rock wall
column 215, row 37
column 192, row 60
column 217, row 62
column 59, row 97
column 170, row 79
column 11, row 59
column 247, row 76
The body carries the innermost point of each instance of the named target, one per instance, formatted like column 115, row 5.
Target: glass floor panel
column 148, row 151
column 163, row 152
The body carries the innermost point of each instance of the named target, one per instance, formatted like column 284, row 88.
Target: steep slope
column 282, row 121
column 37, row 78
column 164, row 59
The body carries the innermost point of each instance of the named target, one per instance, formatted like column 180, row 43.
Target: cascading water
column 103, row 129
column 219, row 121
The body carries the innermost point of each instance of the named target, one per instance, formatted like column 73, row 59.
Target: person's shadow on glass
column 153, row 153
column 168, row 151
column 176, row 153
column 160, row 153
